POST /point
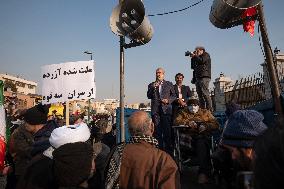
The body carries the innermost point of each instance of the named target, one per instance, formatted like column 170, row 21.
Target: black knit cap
column 193, row 101
column 37, row 114
column 72, row 163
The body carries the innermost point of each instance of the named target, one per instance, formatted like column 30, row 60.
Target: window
column 20, row 84
column 30, row 86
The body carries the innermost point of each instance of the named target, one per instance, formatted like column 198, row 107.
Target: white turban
column 69, row 134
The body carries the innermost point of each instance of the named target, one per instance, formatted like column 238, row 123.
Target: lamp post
column 89, row 101
column 88, row 52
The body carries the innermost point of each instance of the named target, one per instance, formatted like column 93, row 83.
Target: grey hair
column 200, row 48
column 139, row 128
column 160, row 69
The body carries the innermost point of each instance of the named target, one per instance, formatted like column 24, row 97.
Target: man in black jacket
column 201, row 65
column 36, row 123
column 182, row 93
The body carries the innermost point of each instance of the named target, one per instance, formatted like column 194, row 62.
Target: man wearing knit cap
column 36, row 123
column 140, row 164
column 73, row 165
column 231, row 107
column 20, row 147
column 31, row 138
column 39, row 173
column 243, row 127
column 200, row 124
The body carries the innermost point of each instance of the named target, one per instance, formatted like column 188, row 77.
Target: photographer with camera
column 201, row 66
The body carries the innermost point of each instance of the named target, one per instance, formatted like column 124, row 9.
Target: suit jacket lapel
column 176, row 89
column 163, row 87
column 183, row 91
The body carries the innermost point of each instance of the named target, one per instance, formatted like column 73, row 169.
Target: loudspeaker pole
column 128, row 20
column 122, row 129
column 274, row 82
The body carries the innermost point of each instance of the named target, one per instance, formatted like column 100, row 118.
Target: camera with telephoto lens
column 188, row 53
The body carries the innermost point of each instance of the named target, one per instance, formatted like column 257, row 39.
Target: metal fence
column 246, row 92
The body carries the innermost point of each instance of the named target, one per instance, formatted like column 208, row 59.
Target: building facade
column 279, row 65
column 221, row 85
column 23, row 86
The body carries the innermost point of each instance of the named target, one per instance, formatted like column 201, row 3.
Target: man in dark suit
column 162, row 94
column 182, row 93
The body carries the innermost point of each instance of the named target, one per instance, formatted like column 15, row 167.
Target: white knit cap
column 69, row 134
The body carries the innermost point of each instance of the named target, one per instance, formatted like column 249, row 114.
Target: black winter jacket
column 39, row 174
column 201, row 65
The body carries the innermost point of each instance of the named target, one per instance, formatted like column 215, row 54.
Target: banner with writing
column 68, row 81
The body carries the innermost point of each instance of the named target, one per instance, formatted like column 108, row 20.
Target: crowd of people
column 175, row 105
column 43, row 154
column 232, row 160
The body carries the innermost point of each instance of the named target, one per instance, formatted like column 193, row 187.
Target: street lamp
column 89, row 101
column 88, row 52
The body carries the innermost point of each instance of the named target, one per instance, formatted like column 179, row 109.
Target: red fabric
column 77, row 112
column 2, row 153
column 249, row 25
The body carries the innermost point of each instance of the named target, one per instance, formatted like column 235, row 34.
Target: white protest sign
column 68, row 81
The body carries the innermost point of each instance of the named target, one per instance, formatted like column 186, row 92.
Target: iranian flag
column 2, row 127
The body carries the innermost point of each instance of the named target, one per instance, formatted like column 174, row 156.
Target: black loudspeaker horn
column 227, row 13
column 128, row 19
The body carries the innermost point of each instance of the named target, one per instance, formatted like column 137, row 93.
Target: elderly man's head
column 140, row 123
column 160, row 74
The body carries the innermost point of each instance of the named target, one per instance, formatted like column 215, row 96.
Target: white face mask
column 193, row 108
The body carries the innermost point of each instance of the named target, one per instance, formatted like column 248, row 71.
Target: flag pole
column 67, row 113
column 3, row 139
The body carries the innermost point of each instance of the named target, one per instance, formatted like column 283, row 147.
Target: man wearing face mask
column 200, row 124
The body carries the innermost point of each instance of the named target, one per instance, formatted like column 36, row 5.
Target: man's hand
column 192, row 125
column 193, row 54
column 156, row 84
column 181, row 102
column 165, row 101
column 201, row 128
column 7, row 170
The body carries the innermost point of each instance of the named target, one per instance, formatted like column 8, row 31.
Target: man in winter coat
column 36, row 123
column 200, row 124
column 140, row 163
column 39, row 173
column 21, row 143
column 242, row 129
